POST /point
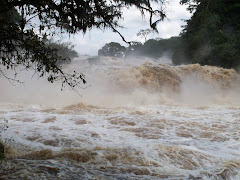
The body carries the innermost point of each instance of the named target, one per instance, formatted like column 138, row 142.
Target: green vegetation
column 212, row 35
column 112, row 49
column 151, row 48
column 22, row 40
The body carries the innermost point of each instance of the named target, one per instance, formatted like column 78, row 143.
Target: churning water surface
column 136, row 121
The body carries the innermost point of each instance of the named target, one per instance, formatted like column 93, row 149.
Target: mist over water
column 136, row 119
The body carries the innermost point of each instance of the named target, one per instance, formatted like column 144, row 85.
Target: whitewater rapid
column 135, row 121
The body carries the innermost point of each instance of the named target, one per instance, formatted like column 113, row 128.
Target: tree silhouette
column 144, row 33
column 112, row 49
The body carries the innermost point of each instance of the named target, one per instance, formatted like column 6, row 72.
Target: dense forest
column 212, row 35
column 153, row 48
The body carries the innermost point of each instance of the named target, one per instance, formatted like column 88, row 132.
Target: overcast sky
column 133, row 23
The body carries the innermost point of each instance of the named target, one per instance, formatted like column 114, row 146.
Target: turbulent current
column 135, row 119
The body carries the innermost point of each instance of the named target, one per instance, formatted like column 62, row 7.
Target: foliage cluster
column 153, row 48
column 23, row 46
column 212, row 35
column 113, row 49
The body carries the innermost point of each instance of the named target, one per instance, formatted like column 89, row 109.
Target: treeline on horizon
column 211, row 37
column 153, row 48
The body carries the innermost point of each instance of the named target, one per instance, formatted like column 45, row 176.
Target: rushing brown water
column 135, row 121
